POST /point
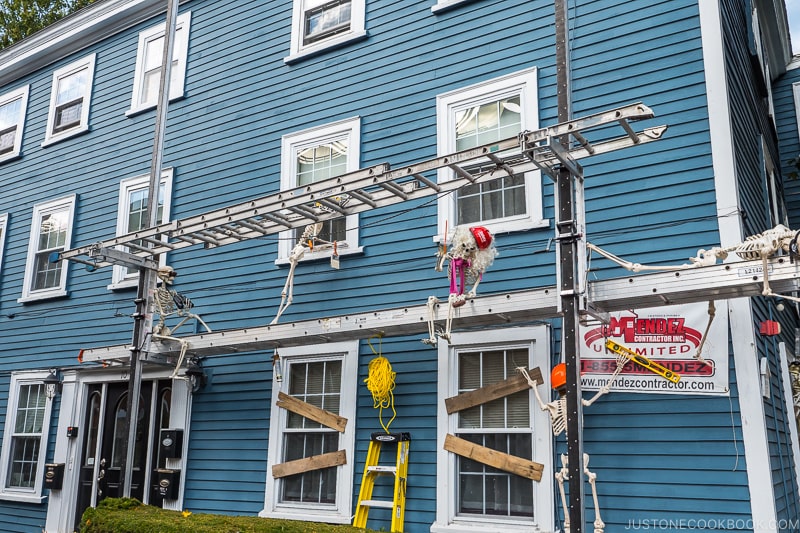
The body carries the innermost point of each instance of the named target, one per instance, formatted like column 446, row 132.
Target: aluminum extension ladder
column 371, row 188
column 373, row 470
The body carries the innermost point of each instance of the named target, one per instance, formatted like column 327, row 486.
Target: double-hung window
column 51, row 231
column 325, row 377
column 320, row 24
column 133, row 200
column 12, row 122
column 318, row 154
column 25, row 438
column 479, row 115
column 70, row 99
column 474, row 494
column 148, row 64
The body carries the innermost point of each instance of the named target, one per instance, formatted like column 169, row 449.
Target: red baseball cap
column 482, row 236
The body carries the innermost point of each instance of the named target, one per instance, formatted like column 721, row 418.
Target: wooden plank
column 317, row 462
column 326, row 418
column 503, row 461
column 501, row 389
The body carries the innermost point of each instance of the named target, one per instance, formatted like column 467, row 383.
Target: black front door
column 104, row 435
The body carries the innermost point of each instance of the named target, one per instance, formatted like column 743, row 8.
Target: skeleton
column 170, row 302
column 472, row 252
column 306, row 241
column 760, row 246
column 557, row 409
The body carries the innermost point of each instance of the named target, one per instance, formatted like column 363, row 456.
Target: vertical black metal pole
column 568, row 236
column 147, row 278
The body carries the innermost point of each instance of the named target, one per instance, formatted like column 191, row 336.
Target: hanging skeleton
column 170, row 302
column 557, row 409
column 471, row 253
column 760, row 246
column 308, row 239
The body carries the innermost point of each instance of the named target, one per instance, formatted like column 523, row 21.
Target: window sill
column 43, row 296
column 133, row 111
column 123, row 285
column 9, row 156
column 24, row 498
column 498, row 228
column 325, row 46
column 444, row 5
column 476, row 526
column 317, row 256
column 65, row 135
column 307, row 515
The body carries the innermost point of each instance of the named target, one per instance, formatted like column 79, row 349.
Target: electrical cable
column 380, row 382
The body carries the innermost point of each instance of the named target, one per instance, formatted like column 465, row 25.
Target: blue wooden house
column 268, row 98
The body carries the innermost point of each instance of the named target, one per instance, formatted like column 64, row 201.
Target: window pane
column 485, row 490
column 482, row 489
column 30, row 409
column 24, row 462
column 9, row 113
column 483, row 124
column 326, row 20
column 321, row 162
column 317, row 383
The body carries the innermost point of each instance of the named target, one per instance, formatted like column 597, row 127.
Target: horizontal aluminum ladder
column 718, row 282
column 369, row 188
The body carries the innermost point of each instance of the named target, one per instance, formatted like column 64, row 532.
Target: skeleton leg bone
column 432, row 301
column 599, row 525
column 288, row 289
column 562, row 476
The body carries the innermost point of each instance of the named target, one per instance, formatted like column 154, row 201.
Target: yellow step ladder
column 373, row 470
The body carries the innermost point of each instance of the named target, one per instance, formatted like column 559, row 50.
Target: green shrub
column 128, row 515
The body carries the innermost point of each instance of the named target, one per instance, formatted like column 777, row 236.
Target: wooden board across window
column 308, row 464
column 501, row 389
column 503, row 461
column 321, row 416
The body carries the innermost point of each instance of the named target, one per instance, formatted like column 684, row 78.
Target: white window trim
column 33, row 495
column 29, row 295
column 119, row 277
column 536, row 339
column 22, row 94
column 290, row 144
column 297, row 50
column 523, row 83
column 342, row 512
column 796, row 99
column 85, row 63
column 179, row 53
column 3, row 233
column 442, row 5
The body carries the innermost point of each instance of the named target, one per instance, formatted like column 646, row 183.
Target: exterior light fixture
column 52, row 384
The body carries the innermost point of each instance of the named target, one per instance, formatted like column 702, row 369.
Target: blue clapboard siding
column 682, row 456
column 787, row 129
column 752, row 136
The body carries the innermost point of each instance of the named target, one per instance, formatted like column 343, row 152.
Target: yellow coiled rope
column 380, row 382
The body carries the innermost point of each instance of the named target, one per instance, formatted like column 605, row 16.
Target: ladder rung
column 364, row 197
column 380, row 469
column 394, row 189
column 433, row 185
column 377, row 503
column 461, row 172
column 252, row 224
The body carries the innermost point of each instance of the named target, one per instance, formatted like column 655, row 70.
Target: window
column 51, row 229
column 12, row 122
column 479, row 115
column 482, row 495
column 321, row 24
column 25, row 438
column 69, row 100
column 318, row 154
column 148, row 64
column 324, row 376
column 130, row 217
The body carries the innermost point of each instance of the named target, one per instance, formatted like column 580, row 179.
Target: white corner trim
column 754, row 435
column 794, row 440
